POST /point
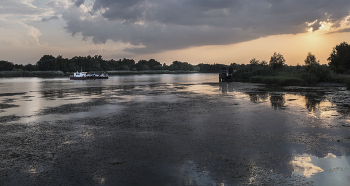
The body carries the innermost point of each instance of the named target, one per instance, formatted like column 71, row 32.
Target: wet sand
column 177, row 133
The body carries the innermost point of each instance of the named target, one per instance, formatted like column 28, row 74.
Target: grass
column 307, row 75
column 278, row 80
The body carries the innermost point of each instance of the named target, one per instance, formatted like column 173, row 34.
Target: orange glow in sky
column 188, row 31
column 294, row 48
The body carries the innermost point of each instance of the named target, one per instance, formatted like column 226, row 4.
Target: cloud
column 19, row 7
column 19, row 33
column 78, row 2
column 155, row 25
column 50, row 18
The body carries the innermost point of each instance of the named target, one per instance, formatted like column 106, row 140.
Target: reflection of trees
column 63, row 93
column 313, row 100
column 311, row 103
column 277, row 100
column 342, row 101
column 226, row 87
column 257, row 96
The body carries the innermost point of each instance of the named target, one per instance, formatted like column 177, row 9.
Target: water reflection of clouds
column 203, row 89
column 303, row 166
column 247, row 131
column 322, row 170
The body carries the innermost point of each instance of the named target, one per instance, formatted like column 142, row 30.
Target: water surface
column 185, row 129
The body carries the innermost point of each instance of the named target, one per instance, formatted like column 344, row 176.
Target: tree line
column 94, row 63
column 339, row 62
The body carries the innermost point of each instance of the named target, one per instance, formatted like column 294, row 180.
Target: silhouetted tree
column 18, row 66
column 277, row 61
column 235, row 66
column 152, row 63
column 29, row 67
column 339, row 59
column 124, row 67
column 254, row 62
column 62, row 63
column 165, row 66
column 6, row 66
column 158, row 67
column 112, row 64
column 263, row 62
column 128, row 62
column 47, row 62
column 311, row 60
column 145, row 67
column 212, row 67
column 140, row 63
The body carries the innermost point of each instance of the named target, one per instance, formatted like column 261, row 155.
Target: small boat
column 85, row 75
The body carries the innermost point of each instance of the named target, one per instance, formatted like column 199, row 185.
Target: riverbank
column 296, row 79
column 282, row 79
column 24, row 73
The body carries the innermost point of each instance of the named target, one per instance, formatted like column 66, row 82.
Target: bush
column 270, row 80
column 256, row 79
column 309, row 78
column 158, row 67
column 287, row 81
column 278, row 80
column 322, row 73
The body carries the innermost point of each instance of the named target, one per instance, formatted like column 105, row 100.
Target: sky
column 194, row 31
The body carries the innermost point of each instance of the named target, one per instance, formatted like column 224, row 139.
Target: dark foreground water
column 171, row 130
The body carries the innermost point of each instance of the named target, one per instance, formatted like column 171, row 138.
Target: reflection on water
column 323, row 171
column 258, row 96
column 303, row 166
column 192, row 176
column 96, row 111
column 317, row 104
column 277, row 100
column 272, row 132
column 37, row 93
column 226, row 87
column 312, row 101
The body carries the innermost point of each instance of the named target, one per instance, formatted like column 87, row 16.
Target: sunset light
column 193, row 31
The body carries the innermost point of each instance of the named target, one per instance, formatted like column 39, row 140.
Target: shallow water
column 183, row 129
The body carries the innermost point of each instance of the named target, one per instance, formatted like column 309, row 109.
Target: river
column 171, row 129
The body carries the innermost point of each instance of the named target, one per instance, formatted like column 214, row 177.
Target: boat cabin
column 80, row 74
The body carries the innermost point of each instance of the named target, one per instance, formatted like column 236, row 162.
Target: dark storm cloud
column 175, row 24
column 78, row 2
column 121, row 9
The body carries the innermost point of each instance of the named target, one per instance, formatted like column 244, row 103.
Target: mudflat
column 183, row 129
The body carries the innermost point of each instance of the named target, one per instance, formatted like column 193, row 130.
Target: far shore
column 338, row 81
column 23, row 73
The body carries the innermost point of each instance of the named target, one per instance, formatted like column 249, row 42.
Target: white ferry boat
column 85, row 75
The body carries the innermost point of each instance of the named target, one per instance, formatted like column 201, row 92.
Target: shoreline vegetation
column 51, row 74
column 276, row 71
